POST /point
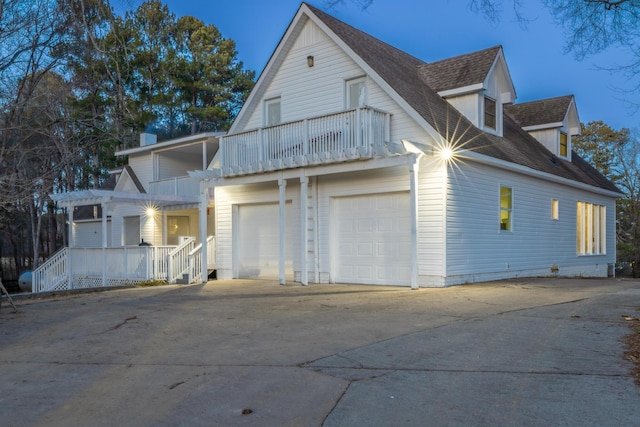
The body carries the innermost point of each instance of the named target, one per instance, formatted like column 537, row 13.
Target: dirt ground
column 633, row 343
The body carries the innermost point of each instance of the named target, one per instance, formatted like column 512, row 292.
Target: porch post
column 204, row 202
column 304, row 185
column 70, row 252
column 104, row 243
column 71, row 231
column 282, row 184
column 413, row 185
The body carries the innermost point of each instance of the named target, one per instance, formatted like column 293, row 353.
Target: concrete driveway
column 232, row 353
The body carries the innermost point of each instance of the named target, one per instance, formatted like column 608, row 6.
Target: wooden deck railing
column 349, row 135
column 75, row 268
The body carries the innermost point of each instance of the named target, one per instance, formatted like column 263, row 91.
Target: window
column 555, row 211
column 131, row 230
column 489, row 113
column 591, row 229
column 272, row 112
column 176, row 226
column 356, row 93
column 563, row 144
column 505, row 208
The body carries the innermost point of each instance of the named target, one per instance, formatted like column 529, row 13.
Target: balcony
column 177, row 186
column 347, row 136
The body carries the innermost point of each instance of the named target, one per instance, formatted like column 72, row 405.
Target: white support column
column 202, row 211
column 204, row 156
column 282, row 184
column 304, row 229
column 70, row 209
column 413, row 185
column 104, row 206
column 70, row 251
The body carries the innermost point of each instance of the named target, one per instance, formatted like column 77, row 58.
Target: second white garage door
column 372, row 239
column 257, row 241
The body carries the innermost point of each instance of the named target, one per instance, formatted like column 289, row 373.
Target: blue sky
column 434, row 30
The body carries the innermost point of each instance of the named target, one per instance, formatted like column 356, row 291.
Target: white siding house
column 354, row 162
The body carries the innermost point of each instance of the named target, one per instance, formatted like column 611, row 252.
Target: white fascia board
column 211, row 180
column 543, row 126
column 170, row 143
column 461, row 90
column 96, row 197
column 572, row 118
column 501, row 59
column 513, row 167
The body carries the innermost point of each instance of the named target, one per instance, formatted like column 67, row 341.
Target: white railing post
column 387, row 127
column 261, row 149
column 305, row 140
column 358, row 128
column 169, row 268
column 223, row 154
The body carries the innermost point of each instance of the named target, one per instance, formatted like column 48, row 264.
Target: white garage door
column 258, row 241
column 372, row 239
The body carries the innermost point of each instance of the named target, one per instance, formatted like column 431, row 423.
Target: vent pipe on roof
column 148, row 139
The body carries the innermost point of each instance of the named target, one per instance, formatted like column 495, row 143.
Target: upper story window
column 490, row 118
column 356, row 93
column 564, row 144
column 505, row 208
column 272, row 112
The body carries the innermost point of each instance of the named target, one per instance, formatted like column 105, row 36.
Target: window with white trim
column 564, row 144
column 490, row 113
column 355, row 93
column 130, row 230
column 272, row 112
column 591, row 229
column 506, row 203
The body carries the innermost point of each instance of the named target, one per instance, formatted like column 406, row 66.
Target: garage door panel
column 258, row 241
column 382, row 239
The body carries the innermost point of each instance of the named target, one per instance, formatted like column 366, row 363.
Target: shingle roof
column 459, row 71
column 409, row 77
column 545, row 111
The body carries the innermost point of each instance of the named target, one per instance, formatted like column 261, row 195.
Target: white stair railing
column 53, row 274
column 178, row 260
column 195, row 259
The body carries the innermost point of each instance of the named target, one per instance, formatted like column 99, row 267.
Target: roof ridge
column 464, row 55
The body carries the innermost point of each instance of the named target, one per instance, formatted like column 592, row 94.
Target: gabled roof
column 127, row 171
column 414, row 84
column 460, row 71
column 405, row 74
column 542, row 112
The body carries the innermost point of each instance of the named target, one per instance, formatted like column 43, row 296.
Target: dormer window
column 564, row 145
column 490, row 113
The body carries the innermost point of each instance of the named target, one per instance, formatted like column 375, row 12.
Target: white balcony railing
column 350, row 135
column 178, row 186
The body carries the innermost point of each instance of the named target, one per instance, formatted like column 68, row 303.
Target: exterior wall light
column 310, row 61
